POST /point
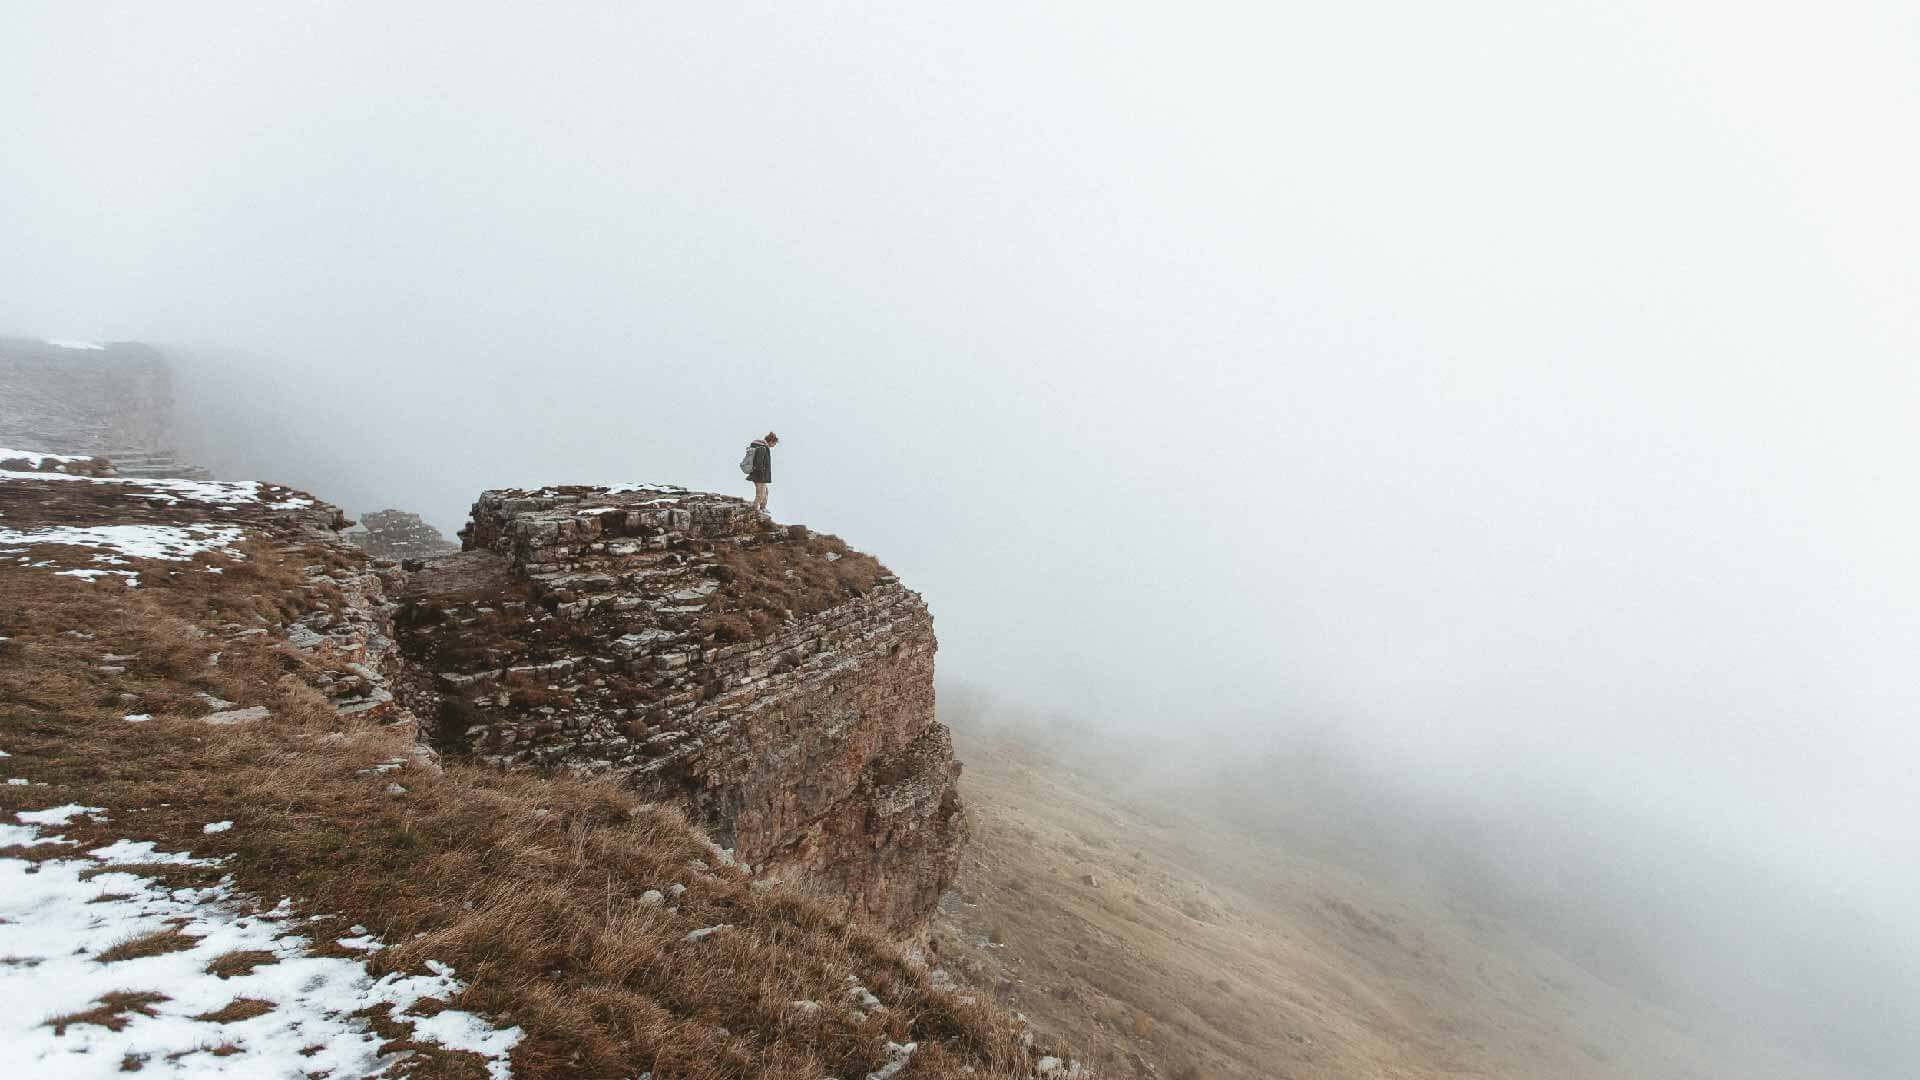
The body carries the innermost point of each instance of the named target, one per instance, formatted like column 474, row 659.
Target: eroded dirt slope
column 1159, row 942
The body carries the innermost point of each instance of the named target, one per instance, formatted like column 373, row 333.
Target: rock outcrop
column 195, row 678
column 772, row 681
column 399, row 535
column 775, row 683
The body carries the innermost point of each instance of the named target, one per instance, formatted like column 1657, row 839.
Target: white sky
column 1529, row 388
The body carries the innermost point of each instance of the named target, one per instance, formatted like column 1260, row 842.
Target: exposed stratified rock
column 154, row 464
column 397, row 534
column 771, row 680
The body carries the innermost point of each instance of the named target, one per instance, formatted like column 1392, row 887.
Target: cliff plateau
column 775, row 683
column 205, row 694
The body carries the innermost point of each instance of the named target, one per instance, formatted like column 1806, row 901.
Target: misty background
column 1515, row 399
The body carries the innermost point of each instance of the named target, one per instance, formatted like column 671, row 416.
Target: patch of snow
column 35, row 458
column 629, row 489
column 15, row 781
column 171, row 491
column 58, row 815
column 26, row 836
column 58, row 923
column 217, row 826
column 137, row 718
column 141, row 852
column 464, row 1031
column 171, row 542
column 707, row 931
column 71, row 343
column 132, row 579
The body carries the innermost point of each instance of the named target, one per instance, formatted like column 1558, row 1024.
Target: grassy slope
column 530, row 887
column 1204, row 954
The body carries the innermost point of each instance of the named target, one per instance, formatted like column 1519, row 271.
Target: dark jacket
column 762, row 463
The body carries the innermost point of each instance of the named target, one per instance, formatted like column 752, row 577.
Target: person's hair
column 772, row 438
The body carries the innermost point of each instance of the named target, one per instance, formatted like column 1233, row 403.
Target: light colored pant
column 759, row 495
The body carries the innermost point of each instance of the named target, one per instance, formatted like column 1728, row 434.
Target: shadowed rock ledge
column 771, row 680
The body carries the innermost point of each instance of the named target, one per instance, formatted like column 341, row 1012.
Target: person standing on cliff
column 762, row 471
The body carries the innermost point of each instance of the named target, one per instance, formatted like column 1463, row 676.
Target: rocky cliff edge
column 772, row 681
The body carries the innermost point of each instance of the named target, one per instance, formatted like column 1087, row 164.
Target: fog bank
column 1520, row 393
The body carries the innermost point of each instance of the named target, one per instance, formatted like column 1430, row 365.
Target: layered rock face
column 399, row 535
column 774, row 682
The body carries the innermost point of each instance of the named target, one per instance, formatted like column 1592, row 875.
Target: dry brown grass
column 530, row 887
column 232, row 964
column 1208, row 953
column 238, row 1009
column 110, row 1012
column 1135, row 936
column 762, row 585
column 157, row 943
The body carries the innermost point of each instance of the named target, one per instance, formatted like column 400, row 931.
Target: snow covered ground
column 173, row 542
column 75, row 1010
column 35, row 459
column 173, row 492
column 113, row 545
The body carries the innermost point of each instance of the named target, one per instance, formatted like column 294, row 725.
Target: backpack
column 746, row 461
